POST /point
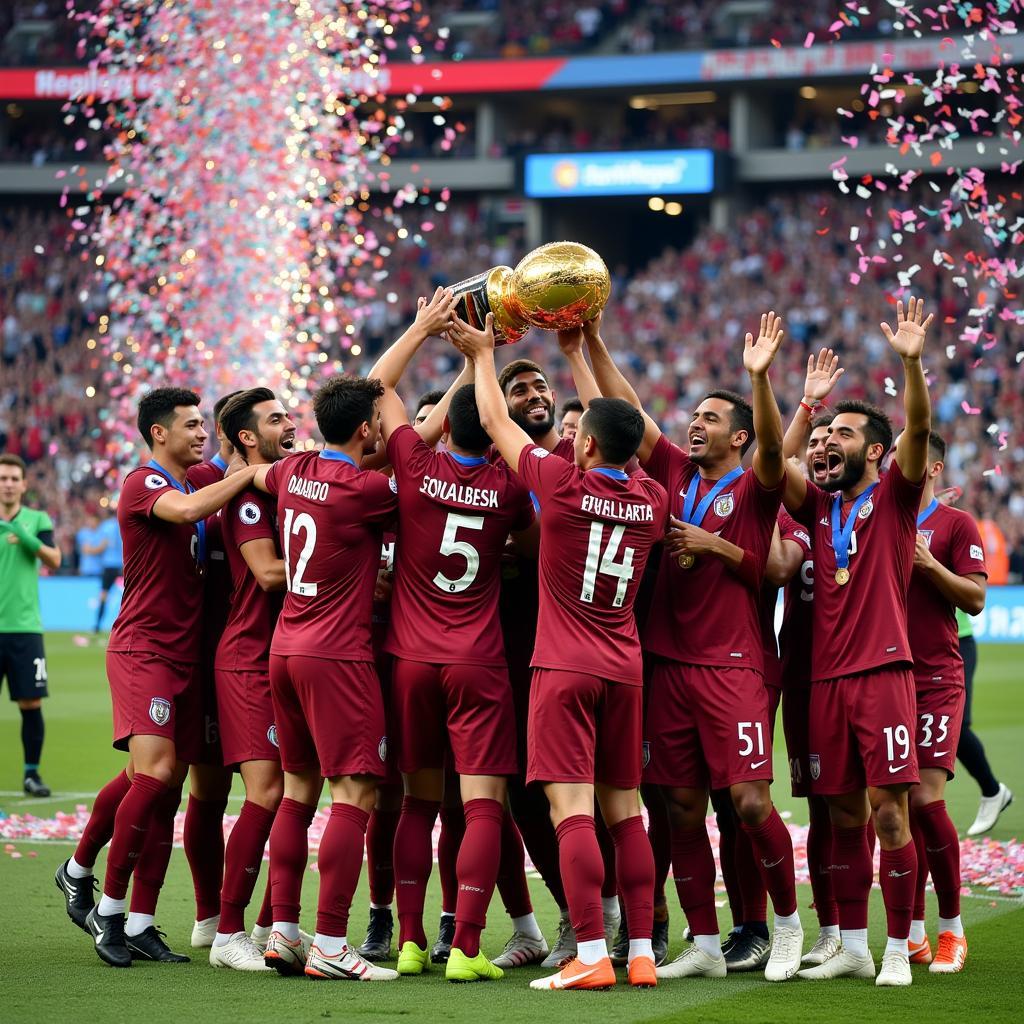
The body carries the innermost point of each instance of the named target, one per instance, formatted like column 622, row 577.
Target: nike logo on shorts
column 765, row 863
column 754, row 765
column 939, row 753
column 898, row 874
column 898, row 768
column 939, row 849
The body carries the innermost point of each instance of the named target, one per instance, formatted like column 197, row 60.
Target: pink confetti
column 969, row 409
column 808, row 40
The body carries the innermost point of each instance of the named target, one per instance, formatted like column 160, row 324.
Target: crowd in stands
column 676, row 325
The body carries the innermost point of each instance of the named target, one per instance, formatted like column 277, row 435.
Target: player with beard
column 708, row 720
column 260, row 430
column 949, row 574
column 597, row 528
column 153, row 666
column 862, row 707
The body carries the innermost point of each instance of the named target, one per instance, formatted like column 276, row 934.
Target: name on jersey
column 606, row 508
column 314, row 490
column 445, row 490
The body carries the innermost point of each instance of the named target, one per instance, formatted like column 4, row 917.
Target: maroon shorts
column 940, row 712
column 154, row 696
column 246, row 716
column 584, row 729
column 466, row 707
column 329, row 714
column 796, row 710
column 210, row 752
column 708, row 727
column 861, row 732
column 384, row 664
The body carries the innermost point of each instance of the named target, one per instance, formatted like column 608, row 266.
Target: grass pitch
column 50, row 971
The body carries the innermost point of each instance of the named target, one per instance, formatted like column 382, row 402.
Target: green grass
column 51, row 971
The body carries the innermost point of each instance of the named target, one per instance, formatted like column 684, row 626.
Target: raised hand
column 435, row 314
column 469, row 340
column 822, row 374
column 908, row 341
column 592, row 327
column 758, row 355
column 570, row 341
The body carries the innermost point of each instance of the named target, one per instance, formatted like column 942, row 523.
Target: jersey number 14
column 603, row 561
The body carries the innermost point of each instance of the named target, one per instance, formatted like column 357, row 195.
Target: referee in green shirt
column 26, row 535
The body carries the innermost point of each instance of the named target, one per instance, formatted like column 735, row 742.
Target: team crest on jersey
column 250, row 513
column 866, row 509
column 927, row 534
column 272, row 735
column 382, row 748
column 539, row 453
column 154, row 481
column 160, row 710
column 815, row 762
column 977, row 553
column 647, row 753
column 724, row 505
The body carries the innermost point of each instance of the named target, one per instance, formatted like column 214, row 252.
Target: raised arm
column 478, row 347
column 175, row 507
column 432, row 427
column 613, row 384
column 908, row 344
column 822, row 375
column 769, row 464
column 571, row 344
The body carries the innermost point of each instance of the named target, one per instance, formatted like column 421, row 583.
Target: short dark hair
column 343, row 403
column 464, row 421
column 429, row 398
column 516, row 367
column 158, row 407
column 10, row 459
column 616, row 426
column 936, row 446
column 878, row 429
column 218, row 406
column 570, row 405
column 823, row 419
column 237, row 413
column 741, row 416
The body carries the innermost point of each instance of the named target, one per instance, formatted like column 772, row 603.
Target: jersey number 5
column 293, row 524
column 604, row 562
column 451, row 546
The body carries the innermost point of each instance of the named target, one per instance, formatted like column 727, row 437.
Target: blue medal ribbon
column 185, row 488
column 841, row 534
column 696, row 516
column 922, row 516
column 219, row 463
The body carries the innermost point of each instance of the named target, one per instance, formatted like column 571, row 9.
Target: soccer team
column 521, row 632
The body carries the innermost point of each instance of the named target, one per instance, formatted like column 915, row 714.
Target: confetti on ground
column 994, row 865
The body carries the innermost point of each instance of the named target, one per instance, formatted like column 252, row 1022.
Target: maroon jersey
column 217, row 585
column 454, row 516
column 331, row 515
column 162, row 607
column 706, row 615
column 795, row 631
column 596, row 532
column 205, row 473
column 382, row 609
column 863, row 625
column 245, row 643
column 955, row 542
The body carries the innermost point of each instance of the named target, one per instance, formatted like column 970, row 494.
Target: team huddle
column 527, row 634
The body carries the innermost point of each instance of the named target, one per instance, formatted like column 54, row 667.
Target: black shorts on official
column 110, row 577
column 23, row 665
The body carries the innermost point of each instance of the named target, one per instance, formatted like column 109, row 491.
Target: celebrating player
column 597, row 529
column 708, row 713
column 862, row 716
column 450, row 685
column 27, row 540
column 949, row 573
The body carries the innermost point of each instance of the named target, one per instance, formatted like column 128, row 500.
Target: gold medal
column 685, row 560
column 842, row 577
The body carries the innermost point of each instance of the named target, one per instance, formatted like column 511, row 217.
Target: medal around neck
column 842, row 577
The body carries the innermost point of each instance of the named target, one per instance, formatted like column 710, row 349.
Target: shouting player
column 708, row 716
column 597, row 529
column 862, row 709
column 949, row 573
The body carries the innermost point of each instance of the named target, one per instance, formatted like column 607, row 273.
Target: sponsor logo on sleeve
column 249, row 513
column 160, row 710
column 539, row 453
column 976, row 552
column 802, row 536
column 154, row 481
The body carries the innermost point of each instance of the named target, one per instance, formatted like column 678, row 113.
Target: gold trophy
column 555, row 288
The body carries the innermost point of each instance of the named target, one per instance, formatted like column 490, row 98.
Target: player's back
column 597, row 530
column 331, row 516
column 455, row 515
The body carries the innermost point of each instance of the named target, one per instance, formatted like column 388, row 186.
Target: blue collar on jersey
column 337, row 457
column 925, row 513
column 615, row 474
column 219, row 463
column 185, row 488
column 467, row 460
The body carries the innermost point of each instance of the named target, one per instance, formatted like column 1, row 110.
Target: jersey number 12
column 294, row 524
